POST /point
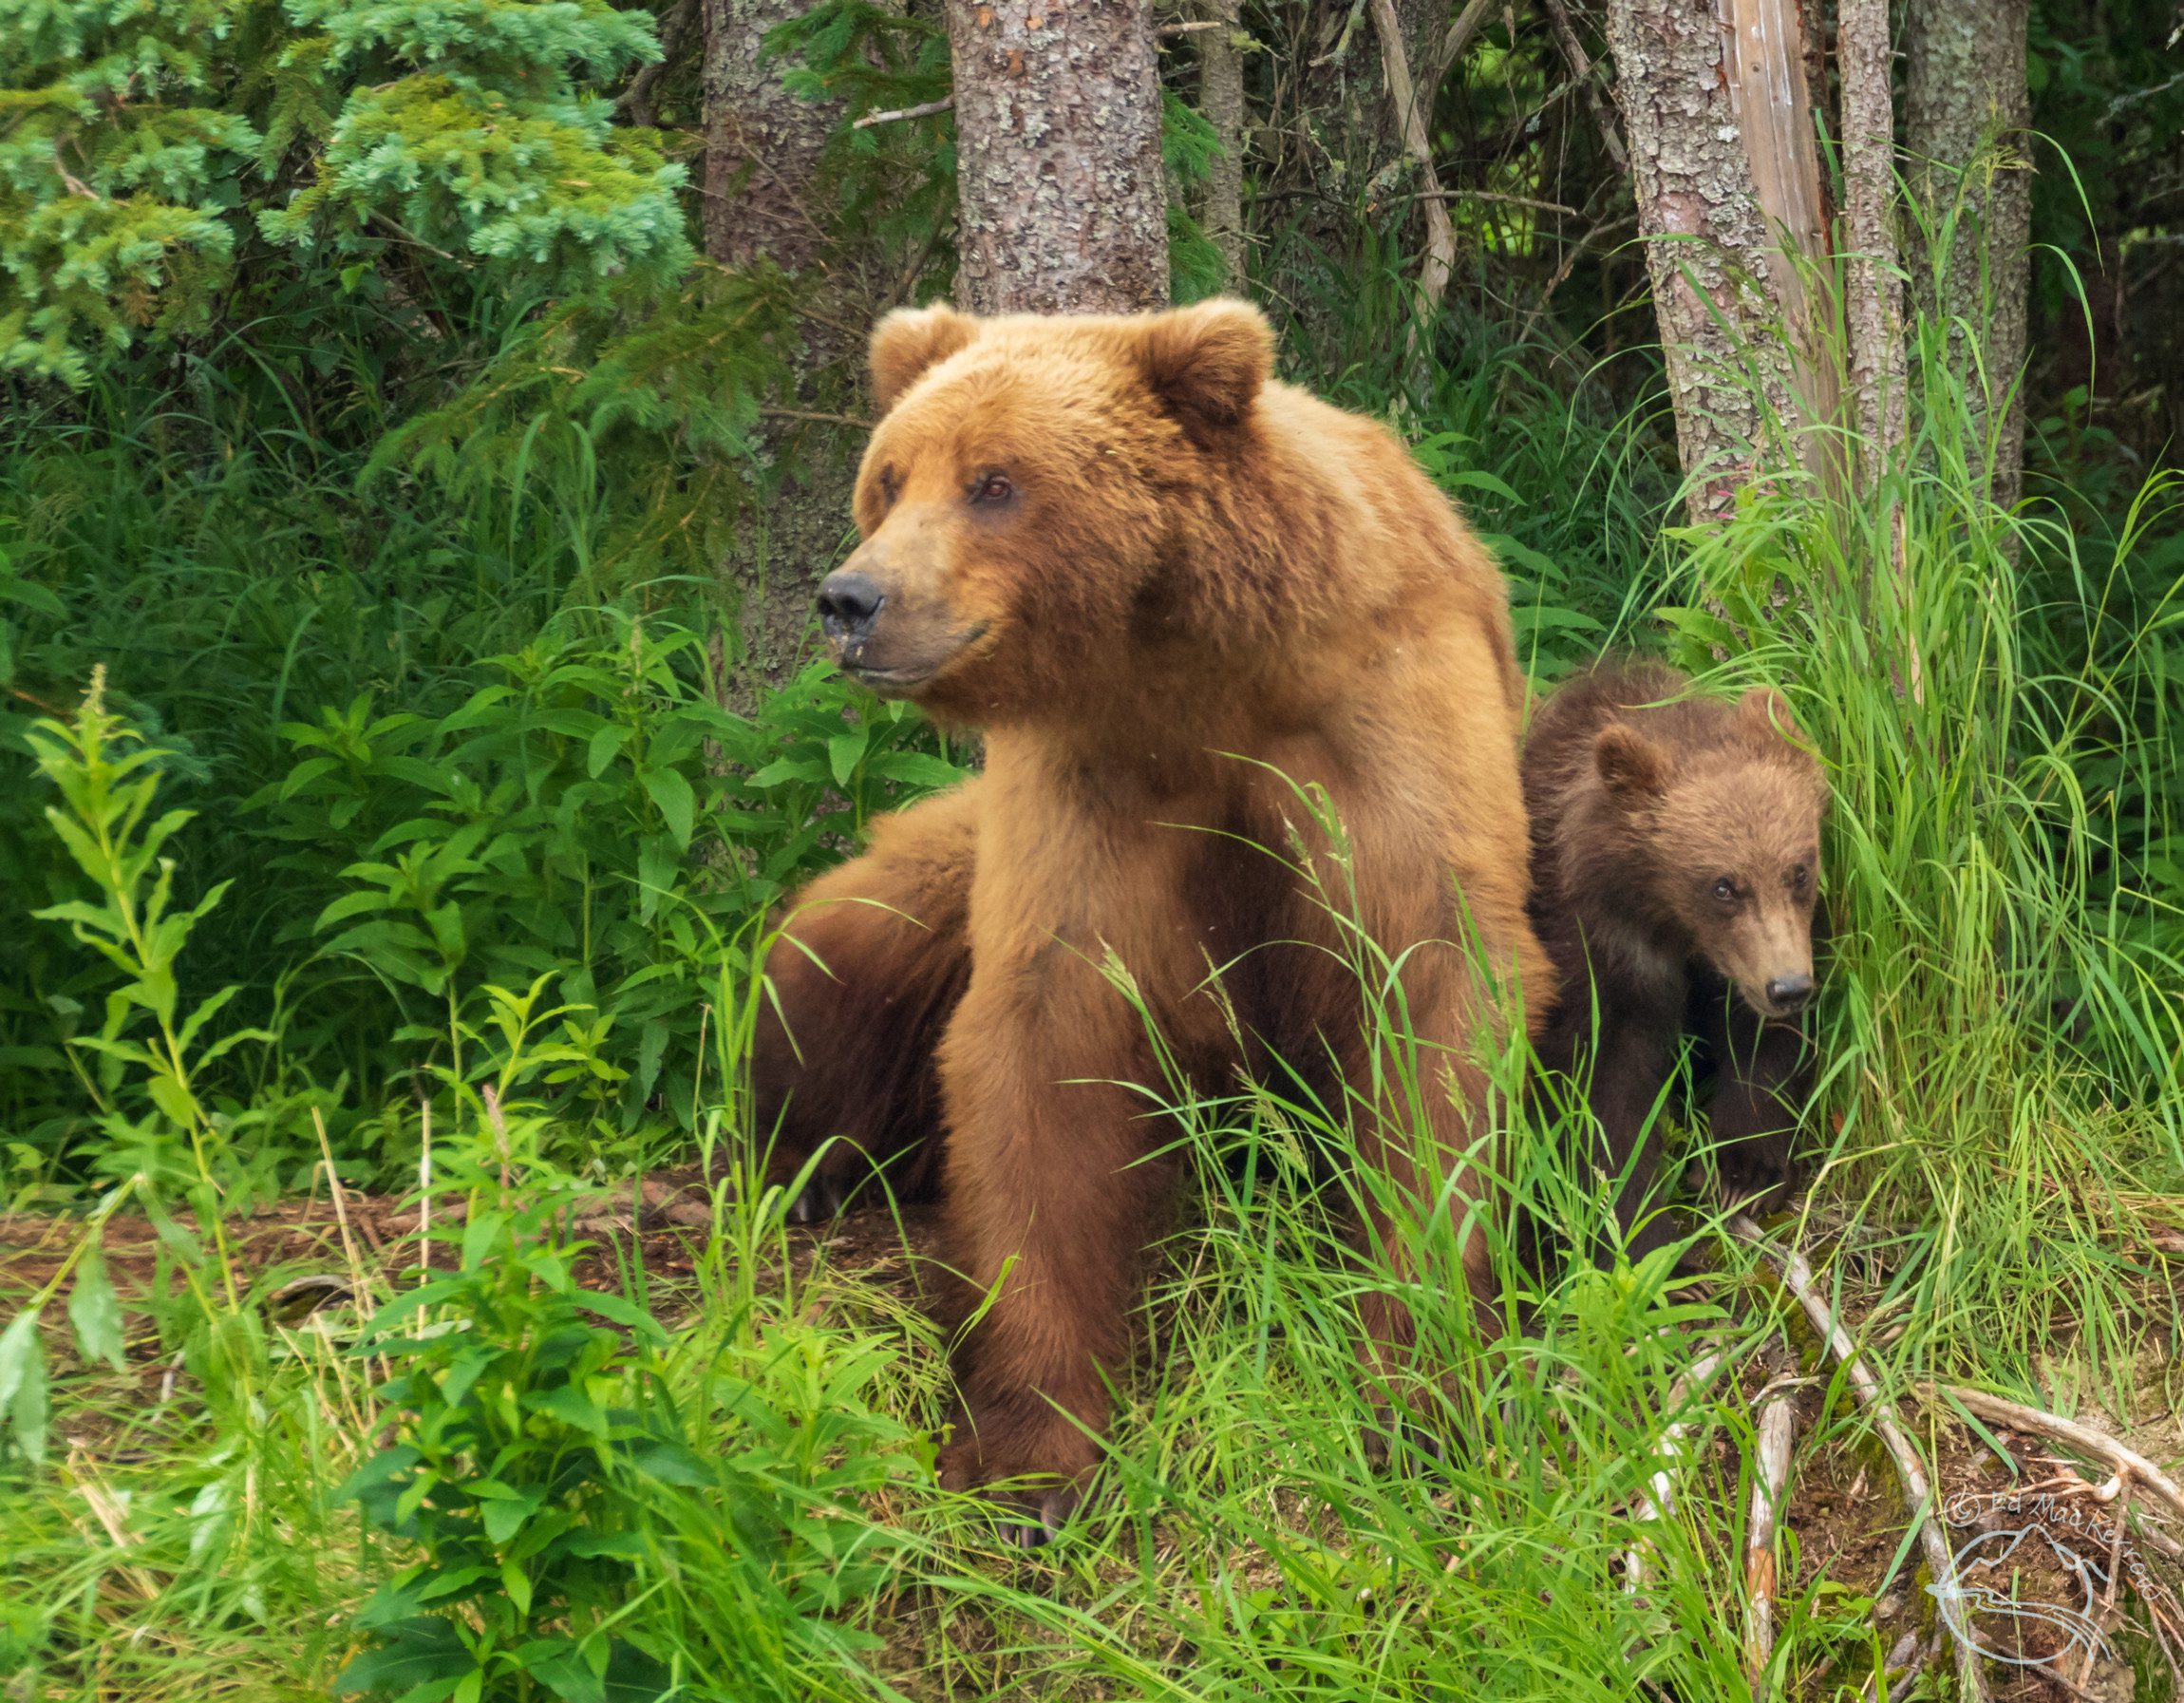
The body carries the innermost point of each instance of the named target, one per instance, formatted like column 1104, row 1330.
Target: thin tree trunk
column 762, row 148
column 761, row 142
column 1058, row 149
column 1873, row 281
column 1410, row 105
column 1715, row 110
column 1767, row 89
column 1967, row 113
column 1221, row 105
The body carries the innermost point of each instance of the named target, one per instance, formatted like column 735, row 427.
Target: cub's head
column 1018, row 499
column 1731, row 829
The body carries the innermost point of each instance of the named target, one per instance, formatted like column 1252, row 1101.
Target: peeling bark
column 1704, row 98
column 1967, row 117
column 1063, row 203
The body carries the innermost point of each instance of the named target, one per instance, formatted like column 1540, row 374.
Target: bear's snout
column 1790, row 994
column 849, row 602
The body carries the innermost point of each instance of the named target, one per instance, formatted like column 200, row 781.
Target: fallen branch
column 1902, row 1666
column 2127, row 1463
column 924, row 109
column 1659, row 1500
column 1773, row 1439
column 1918, row 1490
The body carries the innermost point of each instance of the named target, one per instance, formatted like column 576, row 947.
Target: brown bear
column 1675, row 875
column 1171, row 592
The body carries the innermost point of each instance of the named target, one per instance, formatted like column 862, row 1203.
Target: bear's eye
column 1800, row 877
column 1725, row 890
column 890, row 487
column 992, row 487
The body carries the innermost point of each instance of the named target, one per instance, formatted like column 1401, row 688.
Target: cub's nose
column 1790, row 992
column 848, row 602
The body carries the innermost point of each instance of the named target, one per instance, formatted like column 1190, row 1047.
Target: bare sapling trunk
column 1412, row 107
column 1725, row 169
column 1221, row 105
column 1872, row 271
column 1966, row 119
column 1063, row 204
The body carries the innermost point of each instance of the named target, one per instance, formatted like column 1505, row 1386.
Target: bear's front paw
column 1035, row 1483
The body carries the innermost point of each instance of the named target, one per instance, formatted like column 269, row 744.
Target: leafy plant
column 522, row 1420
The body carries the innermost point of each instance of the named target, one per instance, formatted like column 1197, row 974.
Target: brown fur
column 1190, row 565
column 1642, row 799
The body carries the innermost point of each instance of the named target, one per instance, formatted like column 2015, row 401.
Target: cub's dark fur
column 1675, row 868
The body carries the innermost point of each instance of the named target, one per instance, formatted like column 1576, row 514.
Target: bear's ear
column 1631, row 765
column 910, row 339
column 1766, row 713
column 1207, row 363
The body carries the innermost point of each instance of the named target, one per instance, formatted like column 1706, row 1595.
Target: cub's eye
column 1725, row 890
column 992, row 487
column 1800, row 877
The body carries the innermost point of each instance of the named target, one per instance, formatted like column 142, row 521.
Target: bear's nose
column 1790, row 992
column 848, row 601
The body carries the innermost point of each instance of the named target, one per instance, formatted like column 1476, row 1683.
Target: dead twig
column 1905, row 1660
column 1453, row 45
column 2127, row 1463
column 1659, row 1499
column 924, row 109
column 1494, row 195
column 1581, row 69
column 1773, row 1439
column 1918, row 1490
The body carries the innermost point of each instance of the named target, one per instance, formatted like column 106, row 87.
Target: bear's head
column 1730, row 833
column 1021, row 497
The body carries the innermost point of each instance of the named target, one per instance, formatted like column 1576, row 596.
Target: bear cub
column 1675, row 874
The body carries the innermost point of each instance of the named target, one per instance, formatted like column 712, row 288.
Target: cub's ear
column 1208, row 362
column 1632, row 766
column 908, row 341
column 1765, row 711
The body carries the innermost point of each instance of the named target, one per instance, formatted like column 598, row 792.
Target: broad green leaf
column 95, row 1309
column 844, row 753
column 672, row 792
column 23, row 1382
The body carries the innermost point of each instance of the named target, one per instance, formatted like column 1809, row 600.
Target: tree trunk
column 1873, row 285
column 1221, row 105
column 761, row 142
column 1967, row 112
column 762, row 148
column 1726, row 176
column 1063, row 203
